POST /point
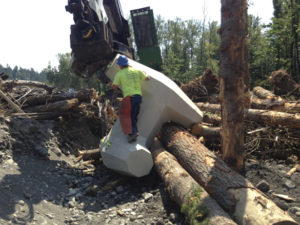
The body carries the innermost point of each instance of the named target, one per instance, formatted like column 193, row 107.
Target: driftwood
column 262, row 116
column 59, row 106
column 181, row 187
column 236, row 195
column 10, row 84
column 205, row 131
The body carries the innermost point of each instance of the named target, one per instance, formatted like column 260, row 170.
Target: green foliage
column 189, row 47
column 284, row 36
column 63, row 78
column 23, row 74
column 193, row 208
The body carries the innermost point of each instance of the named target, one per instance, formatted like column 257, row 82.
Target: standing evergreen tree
column 284, row 35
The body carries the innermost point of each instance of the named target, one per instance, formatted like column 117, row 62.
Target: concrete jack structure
column 163, row 101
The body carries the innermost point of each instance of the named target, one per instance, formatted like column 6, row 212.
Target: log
column 267, row 104
column 88, row 155
column 261, row 116
column 212, row 108
column 273, row 102
column 82, row 95
column 212, row 119
column 10, row 84
column 266, row 94
column 13, row 105
column 237, row 196
column 59, row 106
column 205, row 131
column 289, row 107
column 274, row 105
column 39, row 115
column 273, row 117
column 181, row 187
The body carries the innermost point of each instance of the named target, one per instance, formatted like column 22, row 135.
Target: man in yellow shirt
column 129, row 79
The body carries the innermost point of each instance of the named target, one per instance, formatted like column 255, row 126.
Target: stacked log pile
column 41, row 101
column 236, row 195
column 270, row 118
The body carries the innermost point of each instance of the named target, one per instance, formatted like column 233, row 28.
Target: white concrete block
column 162, row 101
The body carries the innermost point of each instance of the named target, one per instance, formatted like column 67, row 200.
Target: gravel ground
column 39, row 186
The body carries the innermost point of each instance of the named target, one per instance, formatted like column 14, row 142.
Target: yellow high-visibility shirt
column 130, row 81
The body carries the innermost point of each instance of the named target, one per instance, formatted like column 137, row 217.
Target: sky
column 33, row 32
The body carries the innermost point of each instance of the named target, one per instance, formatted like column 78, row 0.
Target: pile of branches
column 272, row 121
column 201, row 88
column 31, row 99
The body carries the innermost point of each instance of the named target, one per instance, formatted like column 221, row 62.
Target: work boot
column 132, row 137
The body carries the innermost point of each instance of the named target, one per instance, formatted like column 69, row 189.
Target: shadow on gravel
column 36, row 183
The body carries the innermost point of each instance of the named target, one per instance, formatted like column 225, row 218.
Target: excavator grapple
column 95, row 38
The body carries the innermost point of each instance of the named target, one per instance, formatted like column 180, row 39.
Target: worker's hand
column 115, row 87
column 147, row 78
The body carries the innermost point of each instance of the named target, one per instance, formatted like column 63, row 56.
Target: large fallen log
column 266, row 94
column 82, row 95
column 275, row 105
column 262, row 116
column 205, row 131
column 59, row 106
column 236, row 195
column 212, row 119
column 10, row 84
column 185, row 191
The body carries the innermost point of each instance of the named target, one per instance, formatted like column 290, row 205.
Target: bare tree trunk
column 181, row 187
column 236, row 195
column 234, row 80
